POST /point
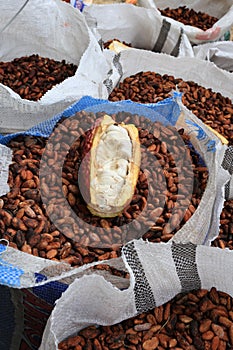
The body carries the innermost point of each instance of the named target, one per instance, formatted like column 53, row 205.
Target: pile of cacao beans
column 148, row 87
column 200, row 319
column 190, row 17
column 27, row 225
column 45, row 214
column 32, row 76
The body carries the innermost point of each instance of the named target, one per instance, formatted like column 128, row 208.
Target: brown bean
column 218, row 330
column 205, row 325
column 208, row 335
column 150, row 344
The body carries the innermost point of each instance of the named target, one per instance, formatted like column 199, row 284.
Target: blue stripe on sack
column 166, row 111
column 46, row 127
column 3, row 248
column 9, row 274
column 49, row 292
column 168, row 107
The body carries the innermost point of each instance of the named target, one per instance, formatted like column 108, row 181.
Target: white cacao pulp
column 114, row 167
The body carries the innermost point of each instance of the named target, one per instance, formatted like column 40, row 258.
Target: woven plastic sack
column 204, row 141
column 158, row 272
column 29, row 290
column 140, row 27
column 204, row 73
column 53, row 29
column 220, row 9
column 220, row 53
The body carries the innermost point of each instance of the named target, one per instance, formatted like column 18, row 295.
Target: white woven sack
column 53, row 29
column 204, row 73
column 157, row 273
column 207, row 75
column 142, row 28
column 220, row 53
column 221, row 9
column 199, row 229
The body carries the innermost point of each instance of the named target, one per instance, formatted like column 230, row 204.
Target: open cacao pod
column 110, row 166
